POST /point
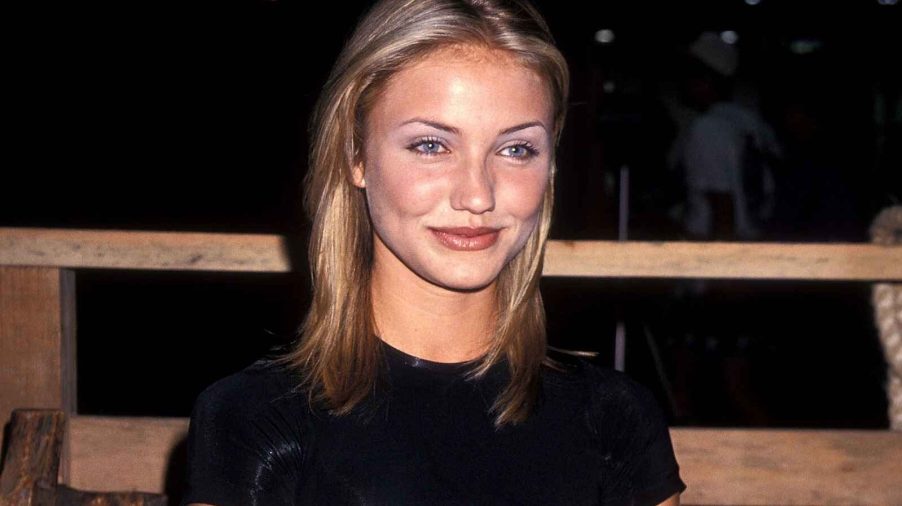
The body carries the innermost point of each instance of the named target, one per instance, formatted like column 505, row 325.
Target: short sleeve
column 633, row 431
column 655, row 474
column 243, row 448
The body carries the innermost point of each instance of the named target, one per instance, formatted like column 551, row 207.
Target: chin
column 466, row 281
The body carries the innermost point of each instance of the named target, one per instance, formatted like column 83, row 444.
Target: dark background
column 192, row 116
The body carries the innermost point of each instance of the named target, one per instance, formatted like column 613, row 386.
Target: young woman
column 421, row 374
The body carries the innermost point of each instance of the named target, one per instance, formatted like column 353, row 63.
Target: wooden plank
column 270, row 253
column 68, row 355
column 860, row 262
column 113, row 249
column 118, row 453
column 600, row 259
column 66, row 496
column 789, row 467
column 37, row 339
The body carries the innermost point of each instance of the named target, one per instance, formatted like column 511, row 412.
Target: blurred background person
column 725, row 152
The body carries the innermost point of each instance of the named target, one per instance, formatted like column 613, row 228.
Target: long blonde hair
column 338, row 354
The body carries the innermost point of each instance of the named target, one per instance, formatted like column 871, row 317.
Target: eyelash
column 531, row 151
column 415, row 146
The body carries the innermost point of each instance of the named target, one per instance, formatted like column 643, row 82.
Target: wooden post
column 31, row 467
column 66, row 496
column 32, row 462
column 37, row 340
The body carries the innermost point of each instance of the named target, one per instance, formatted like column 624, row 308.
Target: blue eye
column 427, row 147
column 523, row 150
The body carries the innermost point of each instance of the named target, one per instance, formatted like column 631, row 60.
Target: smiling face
column 458, row 150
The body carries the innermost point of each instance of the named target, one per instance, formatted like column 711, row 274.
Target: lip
column 466, row 238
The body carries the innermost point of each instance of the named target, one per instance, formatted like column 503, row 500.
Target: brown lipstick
column 466, row 238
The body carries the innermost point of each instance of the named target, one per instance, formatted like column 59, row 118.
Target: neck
column 425, row 320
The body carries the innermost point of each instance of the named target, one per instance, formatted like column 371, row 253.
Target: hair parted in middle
column 338, row 354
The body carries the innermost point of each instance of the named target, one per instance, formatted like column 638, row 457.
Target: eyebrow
column 450, row 129
column 522, row 126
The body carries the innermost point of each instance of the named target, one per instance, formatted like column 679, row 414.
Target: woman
column 421, row 375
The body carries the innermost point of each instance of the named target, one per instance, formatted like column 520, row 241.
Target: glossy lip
column 466, row 238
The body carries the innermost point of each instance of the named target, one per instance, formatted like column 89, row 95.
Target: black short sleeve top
column 596, row 437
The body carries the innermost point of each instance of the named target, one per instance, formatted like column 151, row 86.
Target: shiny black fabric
column 426, row 437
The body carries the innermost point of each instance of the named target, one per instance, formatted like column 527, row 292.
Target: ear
column 357, row 175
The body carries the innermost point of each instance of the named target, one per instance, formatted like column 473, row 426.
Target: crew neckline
column 395, row 355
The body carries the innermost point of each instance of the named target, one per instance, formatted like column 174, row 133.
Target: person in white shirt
column 726, row 152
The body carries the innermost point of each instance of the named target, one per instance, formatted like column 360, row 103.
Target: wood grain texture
column 115, row 249
column 119, row 453
column 789, row 467
column 37, row 339
column 66, row 496
column 32, row 460
column 31, row 467
column 269, row 253
column 857, row 262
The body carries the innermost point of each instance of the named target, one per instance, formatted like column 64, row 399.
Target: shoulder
column 602, row 387
column 256, row 387
column 612, row 388
column 621, row 413
column 246, row 436
column 262, row 398
column 628, row 425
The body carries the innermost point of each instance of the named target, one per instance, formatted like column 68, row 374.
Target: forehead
column 455, row 83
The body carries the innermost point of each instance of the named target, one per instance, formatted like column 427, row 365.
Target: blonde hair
column 338, row 355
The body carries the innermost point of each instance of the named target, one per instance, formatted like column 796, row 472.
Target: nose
column 474, row 188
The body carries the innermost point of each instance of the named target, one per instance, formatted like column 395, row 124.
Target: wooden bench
column 721, row 466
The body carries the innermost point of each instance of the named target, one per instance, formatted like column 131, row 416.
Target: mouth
column 466, row 238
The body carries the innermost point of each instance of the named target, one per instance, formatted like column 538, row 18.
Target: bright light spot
column 609, row 86
column 729, row 36
column 604, row 36
column 752, row 2
column 887, row 2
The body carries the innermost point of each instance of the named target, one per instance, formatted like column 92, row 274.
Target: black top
column 427, row 437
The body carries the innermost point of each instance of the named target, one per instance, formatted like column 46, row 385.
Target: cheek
column 524, row 195
column 396, row 191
